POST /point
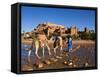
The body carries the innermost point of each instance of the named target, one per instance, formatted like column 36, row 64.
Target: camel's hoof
column 29, row 60
column 39, row 57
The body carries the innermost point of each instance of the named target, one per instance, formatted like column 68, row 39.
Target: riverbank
column 82, row 57
column 29, row 42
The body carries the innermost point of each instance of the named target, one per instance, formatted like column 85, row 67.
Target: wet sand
column 84, row 56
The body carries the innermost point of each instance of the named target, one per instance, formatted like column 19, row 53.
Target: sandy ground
column 84, row 56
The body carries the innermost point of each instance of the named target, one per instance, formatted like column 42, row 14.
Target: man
column 69, row 44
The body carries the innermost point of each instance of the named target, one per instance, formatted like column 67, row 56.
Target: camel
column 58, row 42
column 39, row 40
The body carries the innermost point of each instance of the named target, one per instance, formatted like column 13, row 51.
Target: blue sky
column 32, row 16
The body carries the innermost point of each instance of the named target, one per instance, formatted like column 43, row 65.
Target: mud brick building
column 73, row 31
column 50, row 28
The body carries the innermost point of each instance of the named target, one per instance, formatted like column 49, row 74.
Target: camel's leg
column 55, row 50
column 60, row 44
column 43, row 51
column 61, row 49
column 37, row 47
column 48, row 49
column 29, row 53
column 36, row 52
